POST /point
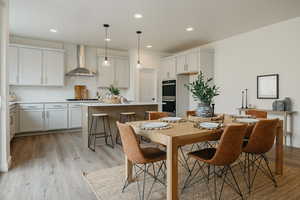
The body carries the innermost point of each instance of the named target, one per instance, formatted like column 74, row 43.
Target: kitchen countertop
column 128, row 104
column 84, row 103
column 50, row 101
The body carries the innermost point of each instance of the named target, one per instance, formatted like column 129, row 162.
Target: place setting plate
column 171, row 119
column 155, row 125
column 208, row 125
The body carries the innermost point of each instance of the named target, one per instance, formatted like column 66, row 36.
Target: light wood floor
column 49, row 167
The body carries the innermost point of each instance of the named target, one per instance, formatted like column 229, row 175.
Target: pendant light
column 139, row 66
column 107, row 39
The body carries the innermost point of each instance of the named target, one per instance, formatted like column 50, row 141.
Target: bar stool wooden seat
column 125, row 117
column 106, row 133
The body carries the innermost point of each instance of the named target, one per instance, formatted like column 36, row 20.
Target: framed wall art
column 268, row 86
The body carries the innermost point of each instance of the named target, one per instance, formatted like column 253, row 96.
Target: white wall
column 268, row 50
column 5, row 158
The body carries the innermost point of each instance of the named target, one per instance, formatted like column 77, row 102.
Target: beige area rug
column 107, row 185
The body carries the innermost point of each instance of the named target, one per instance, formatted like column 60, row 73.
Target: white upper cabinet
column 192, row 60
column 122, row 73
column 168, row 69
column 13, row 64
column 53, row 67
column 106, row 74
column 30, row 66
column 188, row 62
column 181, row 64
column 117, row 74
column 35, row 66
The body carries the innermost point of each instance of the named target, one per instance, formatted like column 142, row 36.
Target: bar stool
column 125, row 117
column 97, row 118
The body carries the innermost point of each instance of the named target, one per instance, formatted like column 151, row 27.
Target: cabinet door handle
column 43, row 115
column 47, row 114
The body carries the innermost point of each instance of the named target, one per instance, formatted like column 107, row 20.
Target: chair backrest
column 262, row 136
column 257, row 113
column 230, row 146
column 190, row 113
column 157, row 115
column 130, row 143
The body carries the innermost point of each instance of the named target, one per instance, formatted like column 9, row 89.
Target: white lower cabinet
column 48, row 116
column 56, row 119
column 31, row 120
column 74, row 116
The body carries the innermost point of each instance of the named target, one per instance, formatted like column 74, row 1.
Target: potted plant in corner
column 203, row 91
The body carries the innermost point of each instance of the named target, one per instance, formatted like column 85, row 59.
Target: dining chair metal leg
column 254, row 163
column 143, row 171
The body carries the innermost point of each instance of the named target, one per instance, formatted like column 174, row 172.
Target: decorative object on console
column 282, row 105
column 268, row 86
column 204, row 92
column 246, row 98
column 242, row 99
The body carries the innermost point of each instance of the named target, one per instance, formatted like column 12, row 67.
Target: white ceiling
column 163, row 24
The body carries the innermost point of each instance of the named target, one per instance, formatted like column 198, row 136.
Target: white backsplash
column 36, row 93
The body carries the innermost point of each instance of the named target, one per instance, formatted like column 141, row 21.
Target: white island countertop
column 124, row 104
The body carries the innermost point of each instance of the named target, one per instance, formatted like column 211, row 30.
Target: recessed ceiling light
column 107, row 39
column 189, row 29
column 149, row 46
column 138, row 16
column 52, row 30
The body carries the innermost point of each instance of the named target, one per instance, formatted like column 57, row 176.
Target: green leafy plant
column 113, row 90
column 203, row 90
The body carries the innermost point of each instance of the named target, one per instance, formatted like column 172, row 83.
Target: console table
column 287, row 115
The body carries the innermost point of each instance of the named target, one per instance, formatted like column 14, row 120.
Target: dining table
column 185, row 133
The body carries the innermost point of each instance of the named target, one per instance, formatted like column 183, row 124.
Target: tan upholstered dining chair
column 157, row 115
column 257, row 113
column 255, row 148
column 143, row 159
column 226, row 153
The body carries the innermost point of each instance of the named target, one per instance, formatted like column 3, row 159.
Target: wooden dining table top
column 182, row 132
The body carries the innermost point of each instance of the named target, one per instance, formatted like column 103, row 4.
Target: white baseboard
column 6, row 165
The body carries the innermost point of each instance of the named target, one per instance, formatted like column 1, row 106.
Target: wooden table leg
column 279, row 150
column 172, row 170
column 128, row 170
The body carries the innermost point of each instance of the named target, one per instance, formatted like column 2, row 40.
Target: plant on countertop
column 203, row 90
column 113, row 90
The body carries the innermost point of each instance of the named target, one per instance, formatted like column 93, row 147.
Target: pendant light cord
column 106, row 26
column 139, row 45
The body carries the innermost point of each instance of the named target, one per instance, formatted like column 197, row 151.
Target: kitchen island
column 113, row 110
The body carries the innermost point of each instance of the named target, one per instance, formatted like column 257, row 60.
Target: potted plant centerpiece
column 203, row 91
column 114, row 96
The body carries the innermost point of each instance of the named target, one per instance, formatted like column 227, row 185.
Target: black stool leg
column 91, row 135
column 95, row 134
column 110, row 133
